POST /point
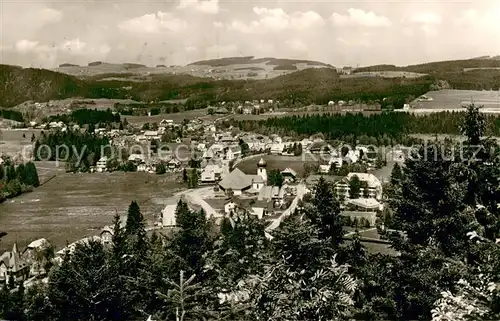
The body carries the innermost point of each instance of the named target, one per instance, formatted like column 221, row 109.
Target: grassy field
column 277, row 162
column 177, row 117
column 72, row 206
column 12, row 142
column 384, row 74
column 454, row 99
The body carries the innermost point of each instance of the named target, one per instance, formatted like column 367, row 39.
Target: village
column 210, row 153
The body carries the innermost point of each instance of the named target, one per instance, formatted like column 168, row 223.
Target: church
column 240, row 183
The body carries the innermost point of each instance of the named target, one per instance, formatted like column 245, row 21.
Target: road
column 195, row 196
column 301, row 191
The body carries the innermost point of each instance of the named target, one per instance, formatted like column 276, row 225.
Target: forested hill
column 374, row 129
column 438, row 67
column 308, row 86
column 252, row 60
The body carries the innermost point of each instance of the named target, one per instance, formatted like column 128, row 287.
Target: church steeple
column 261, row 170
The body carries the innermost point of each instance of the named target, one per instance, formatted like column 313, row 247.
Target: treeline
column 79, row 150
column 12, row 115
column 369, row 129
column 15, row 180
column 87, row 117
column 141, row 109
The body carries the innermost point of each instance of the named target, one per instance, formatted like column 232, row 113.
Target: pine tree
column 31, row 175
column 118, row 239
column 325, row 212
column 396, row 174
column 21, row 174
column 134, row 219
column 354, row 187
column 192, row 240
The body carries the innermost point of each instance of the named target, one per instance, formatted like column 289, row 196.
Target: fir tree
column 325, row 212
column 396, row 174
column 134, row 219
column 354, row 187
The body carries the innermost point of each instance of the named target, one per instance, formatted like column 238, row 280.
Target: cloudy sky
column 45, row 33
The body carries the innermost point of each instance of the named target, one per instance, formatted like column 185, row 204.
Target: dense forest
column 12, row 115
column 15, row 180
column 79, row 150
column 447, row 267
column 315, row 85
column 87, row 117
column 385, row 128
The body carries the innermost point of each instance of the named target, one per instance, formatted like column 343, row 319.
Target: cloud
column 48, row 15
column 277, row 19
column 218, row 24
column 426, row 18
column 25, row 46
column 355, row 42
column 296, row 45
column 153, row 23
column 222, row 51
column 358, row 17
column 74, row 45
column 190, row 48
column 204, row 6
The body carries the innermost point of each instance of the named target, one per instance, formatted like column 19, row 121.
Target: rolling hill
column 224, row 68
column 294, row 87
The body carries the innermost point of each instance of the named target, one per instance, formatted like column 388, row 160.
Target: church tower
column 261, row 170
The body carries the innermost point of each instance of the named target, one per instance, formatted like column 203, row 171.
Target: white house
column 152, row 134
column 102, row 164
column 211, row 173
column 168, row 215
column 233, row 152
column 289, row 175
column 277, row 148
column 374, row 184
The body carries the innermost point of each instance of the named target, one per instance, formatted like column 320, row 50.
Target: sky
column 46, row 33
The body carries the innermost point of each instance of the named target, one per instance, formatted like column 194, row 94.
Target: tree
column 396, row 174
column 161, row 168
column 31, row 175
column 275, row 178
column 134, row 219
column 354, row 187
column 193, row 178
column 192, row 240
column 184, row 175
column 473, row 124
column 182, row 296
column 325, row 213
column 364, row 189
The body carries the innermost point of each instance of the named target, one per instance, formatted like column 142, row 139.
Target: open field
column 384, row 74
column 72, row 206
column 249, row 166
column 12, row 141
column 456, row 99
column 177, row 117
column 260, row 69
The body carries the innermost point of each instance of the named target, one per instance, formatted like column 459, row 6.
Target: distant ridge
column 221, row 62
column 68, row 65
column 95, row 63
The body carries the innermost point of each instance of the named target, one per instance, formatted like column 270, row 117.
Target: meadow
column 72, row 206
column 455, row 99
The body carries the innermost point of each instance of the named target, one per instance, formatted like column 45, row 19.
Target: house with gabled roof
column 13, row 266
column 289, row 175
